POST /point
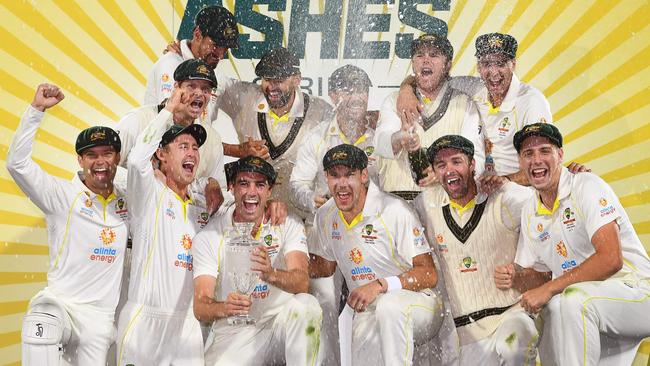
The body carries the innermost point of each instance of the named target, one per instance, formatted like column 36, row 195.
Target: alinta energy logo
column 105, row 253
column 360, row 273
column 184, row 259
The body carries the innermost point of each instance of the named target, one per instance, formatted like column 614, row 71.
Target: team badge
column 560, row 248
column 203, row 219
column 268, row 240
column 99, row 135
column 186, row 242
column 368, row 229
column 570, row 220
column 107, row 235
column 120, row 204
column 261, row 106
column 368, row 234
column 504, row 127
column 356, row 256
column 495, row 42
column 339, row 155
column 468, row 265
column 202, row 69
column 369, row 150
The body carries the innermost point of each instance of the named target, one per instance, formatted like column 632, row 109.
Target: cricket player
column 379, row 245
column 288, row 320
column 505, row 103
column 475, row 236
column 277, row 112
column 576, row 228
column 446, row 111
column 348, row 88
column 156, row 325
column 195, row 77
column 71, row 321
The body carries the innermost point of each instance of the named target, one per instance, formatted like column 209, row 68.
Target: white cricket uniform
column 523, row 105
column 160, row 292
column 559, row 240
column 287, row 327
column 381, row 242
column 245, row 103
column 86, row 236
column 460, row 117
column 470, row 242
column 160, row 81
column 308, row 177
column 211, row 163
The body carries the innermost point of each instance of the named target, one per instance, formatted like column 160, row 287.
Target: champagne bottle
column 419, row 162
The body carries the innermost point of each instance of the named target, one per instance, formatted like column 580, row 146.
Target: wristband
column 393, row 283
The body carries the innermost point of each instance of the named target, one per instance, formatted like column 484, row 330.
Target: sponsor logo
column 468, row 265
column 336, row 234
column 607, row 209
column 88, row 203
column 164, row 78
column 166, row 87
column 540, row 227
column 261, row 291
column 169, row 211
column 356, row 256
column 602, row 201
column 364, row 273
column 568, row 265
column 560, row 248
column 107, row 235
column 39, row 330
column 185, row 259
column 419, row 240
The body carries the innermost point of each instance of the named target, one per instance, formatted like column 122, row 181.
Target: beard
column 280, row 102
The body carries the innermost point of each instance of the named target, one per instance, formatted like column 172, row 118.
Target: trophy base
column 241, row 320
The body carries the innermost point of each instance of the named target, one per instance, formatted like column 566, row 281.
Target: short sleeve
column 295, row 237
column 322, row 247
column 409, row 237
column 597, row 201
column 205, row 250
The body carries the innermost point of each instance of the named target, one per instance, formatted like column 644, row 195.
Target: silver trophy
column 237, row 263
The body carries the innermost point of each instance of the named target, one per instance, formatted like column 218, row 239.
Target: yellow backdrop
column 590, row 58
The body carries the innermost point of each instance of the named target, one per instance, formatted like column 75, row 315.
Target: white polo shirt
column 160, row 81
column 559, row 240
column 245, row 103
column 523, row 105
column 307, row 177
column 162, row 226
column 209, row 252
column 380, row 242
column 87, row 234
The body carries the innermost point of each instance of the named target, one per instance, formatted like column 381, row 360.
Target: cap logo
column 256, row 162
column 339, row 155
column 99, row 135
column 495, row 42
column 229, row 32
column 202, row 69
column 532, row 128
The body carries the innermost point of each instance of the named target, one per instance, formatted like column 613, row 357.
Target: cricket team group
column 443, row 229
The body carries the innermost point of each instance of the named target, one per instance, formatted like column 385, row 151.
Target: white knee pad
column 43, row 336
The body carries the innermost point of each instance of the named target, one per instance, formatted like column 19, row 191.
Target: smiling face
column 496, row 71
column 199, row 92
column 207, row 49
column 252, row 191
column 351, row 104
column 541, row 161
column 455, row 172
column 431, row 67
column 279, row 92
column 348, row 188
column 179, row 159
column 99, row 165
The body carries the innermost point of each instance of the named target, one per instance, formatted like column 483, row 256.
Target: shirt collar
column 335, row 131
column 508, row 103
column 563, row 191
column 297, row 108
column 436, row 101
column 186, row 53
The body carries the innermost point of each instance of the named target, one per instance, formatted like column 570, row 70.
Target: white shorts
column 152, row 336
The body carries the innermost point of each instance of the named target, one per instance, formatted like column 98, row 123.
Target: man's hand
column 405, row 139
column 491, row 183
column 261, row 264
column 533, row 300
column 276, row 212
column 504, row 276
column 429, row 179
column 178, row 101
column 577, row 168
column 408, row 105
column 47, row 96
column 237, row 304
column 174, row 47
column 361, row 297
column 319, row 200
column 256, row 148
column 213, row 195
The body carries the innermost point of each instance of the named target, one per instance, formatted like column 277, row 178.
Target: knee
column 574, row 301
column 389, row 306
column 519, row 345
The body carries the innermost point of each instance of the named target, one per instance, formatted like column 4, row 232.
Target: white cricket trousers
column 292, row 337
column 152, row 336
column 387, row 332
column 575, row 319
column 513, row 343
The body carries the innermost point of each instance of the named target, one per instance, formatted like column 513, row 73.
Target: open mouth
column 197, row 104
column 539, row 173
column 188, row 167
column 344, row 197
column 251, row 204
column 100, row 173
column 426, row 71
column 453, row 182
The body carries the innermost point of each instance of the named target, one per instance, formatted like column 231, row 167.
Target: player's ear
column 79, row 160
column 196, row 34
